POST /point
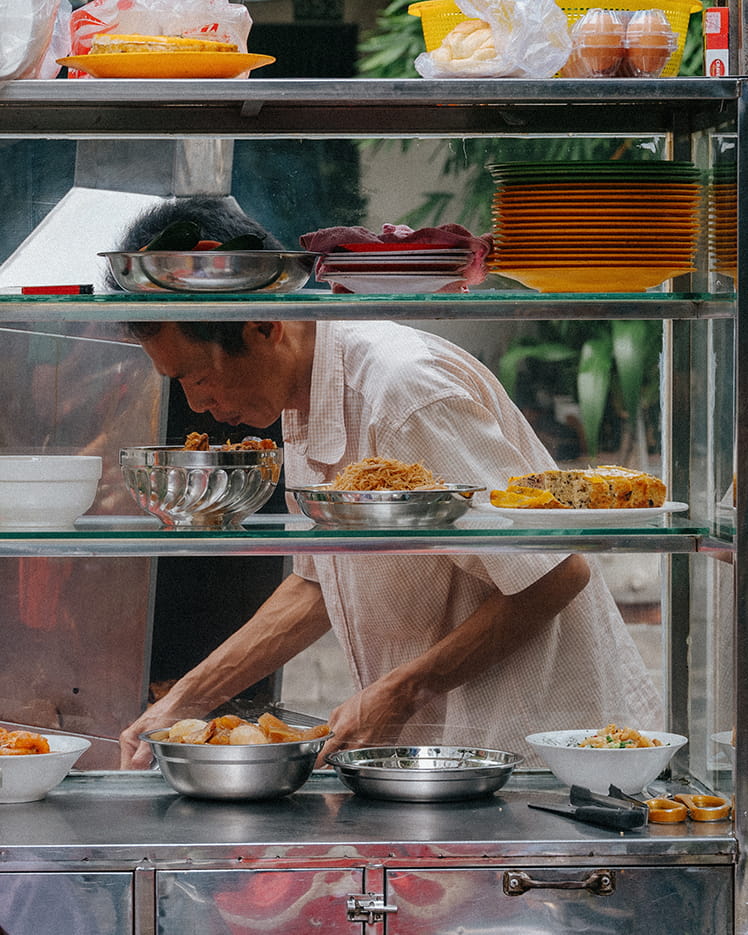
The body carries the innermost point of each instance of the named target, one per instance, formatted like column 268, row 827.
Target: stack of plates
column 595, row 226
column 394, row 267
column 723, row 208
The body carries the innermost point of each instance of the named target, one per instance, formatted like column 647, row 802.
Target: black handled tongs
column 579, row 795
column 616, row 810
column 620, row 819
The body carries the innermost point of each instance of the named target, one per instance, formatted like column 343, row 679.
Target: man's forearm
column 490, row 635
column 289, row 621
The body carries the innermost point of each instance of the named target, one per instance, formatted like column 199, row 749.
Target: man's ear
column 260, row 331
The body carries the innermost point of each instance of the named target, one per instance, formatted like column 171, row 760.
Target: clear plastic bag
column 501, row 39
column 26, row 30
column 218, row 20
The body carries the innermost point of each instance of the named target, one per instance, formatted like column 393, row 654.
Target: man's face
column 250, row 388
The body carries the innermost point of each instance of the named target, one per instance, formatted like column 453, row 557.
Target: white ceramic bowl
column 630, row 769
column 46, row 491
column 28, row 778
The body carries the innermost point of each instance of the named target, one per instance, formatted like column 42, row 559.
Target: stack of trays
column 595, row 226
column 723, row 208
column 394, row 267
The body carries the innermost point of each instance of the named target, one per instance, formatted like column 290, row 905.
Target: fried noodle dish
column 386, row 474
column 198, row 441
column 21, row 742
column 614, row 738
column 231, row 729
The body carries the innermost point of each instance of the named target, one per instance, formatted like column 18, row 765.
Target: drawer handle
column 599, row 883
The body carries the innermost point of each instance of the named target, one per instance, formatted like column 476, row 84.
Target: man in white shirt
column 475, row 649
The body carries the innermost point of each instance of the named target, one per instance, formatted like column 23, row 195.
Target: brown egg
column 649, row 42
column 597, row 45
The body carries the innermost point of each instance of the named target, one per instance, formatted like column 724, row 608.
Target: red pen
column 86, row 289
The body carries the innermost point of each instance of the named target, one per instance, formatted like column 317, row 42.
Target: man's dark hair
column 218, row 219
column 227, row 334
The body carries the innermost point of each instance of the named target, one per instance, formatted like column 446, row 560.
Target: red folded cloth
column 328, row 239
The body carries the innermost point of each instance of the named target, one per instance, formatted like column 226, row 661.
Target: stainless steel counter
column 131, row 820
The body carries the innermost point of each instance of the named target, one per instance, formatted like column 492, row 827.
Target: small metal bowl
column 208, row 489
column 423, row 773
column 384, row 509
column 241, row 771
column 211, row 270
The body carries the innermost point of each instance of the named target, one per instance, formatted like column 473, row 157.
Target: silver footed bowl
column 200, row 489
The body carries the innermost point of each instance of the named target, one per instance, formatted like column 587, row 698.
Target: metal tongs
column 617, row 810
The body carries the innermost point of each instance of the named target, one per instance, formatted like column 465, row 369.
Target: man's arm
column 290, row 620
column 500, row 625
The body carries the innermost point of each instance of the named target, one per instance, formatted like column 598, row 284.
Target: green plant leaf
column 593, row 384
column 512, row 360
column 630, row 352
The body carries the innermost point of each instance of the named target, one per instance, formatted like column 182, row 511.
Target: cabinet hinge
column 368, row 907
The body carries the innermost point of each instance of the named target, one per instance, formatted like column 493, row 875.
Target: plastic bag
column 218, row 20
column 501, row 39
column 26, row 28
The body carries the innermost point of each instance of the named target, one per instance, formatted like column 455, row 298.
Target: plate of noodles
column 383, row 493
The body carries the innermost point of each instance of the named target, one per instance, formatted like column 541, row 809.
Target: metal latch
column 368, row 907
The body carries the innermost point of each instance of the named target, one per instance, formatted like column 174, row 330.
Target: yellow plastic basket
column 439, row 17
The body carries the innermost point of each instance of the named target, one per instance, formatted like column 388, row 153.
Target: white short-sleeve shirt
column 390, row 390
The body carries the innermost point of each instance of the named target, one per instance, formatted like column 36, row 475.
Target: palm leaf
column 593, row 384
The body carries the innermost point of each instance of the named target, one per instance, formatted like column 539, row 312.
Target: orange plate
column 166, row 64
column 591, row 279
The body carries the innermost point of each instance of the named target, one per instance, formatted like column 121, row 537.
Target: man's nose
column 198, row 399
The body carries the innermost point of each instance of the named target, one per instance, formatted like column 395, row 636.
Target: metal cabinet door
column 66, row 903
column 643, row 901
column 240, row 902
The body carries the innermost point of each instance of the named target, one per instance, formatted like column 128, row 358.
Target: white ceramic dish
column 630, row 769
column 725, row 745
column 46, row 491
column 28, row 778
column 562, row 519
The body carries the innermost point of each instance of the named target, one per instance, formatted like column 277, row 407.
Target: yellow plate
column 596, row 279
column 166, row 64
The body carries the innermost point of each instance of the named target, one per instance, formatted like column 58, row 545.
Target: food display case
column 131, row 855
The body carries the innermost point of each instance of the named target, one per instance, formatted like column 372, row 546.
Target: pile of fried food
column 21, row 742
column 199, row 441
column 231, row 729
column 614, row 738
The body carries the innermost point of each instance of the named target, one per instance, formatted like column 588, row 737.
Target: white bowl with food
column 630, row 768
column 46, row 491
column 213, row 489
column 28, row 777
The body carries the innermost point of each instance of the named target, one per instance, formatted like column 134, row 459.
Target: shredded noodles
column 385, row 474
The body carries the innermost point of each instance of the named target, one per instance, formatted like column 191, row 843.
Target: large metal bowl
column 383, row 509
column 211, row 270
column 226, row 771
column 209, row 489
column 423, row 773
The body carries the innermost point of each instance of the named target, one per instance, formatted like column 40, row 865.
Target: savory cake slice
column 601, row 488
column 107, row 44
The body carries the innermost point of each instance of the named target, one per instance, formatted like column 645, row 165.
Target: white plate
column 561, row 519
column 392, row 282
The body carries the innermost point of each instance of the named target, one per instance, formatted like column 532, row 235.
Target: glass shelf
column 322, row 304
column 284, row 534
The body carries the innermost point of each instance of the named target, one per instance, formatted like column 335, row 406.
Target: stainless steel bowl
column 225, row 771
column 211, row 270
column 383, row 509
column 423, row 773
column 209, row 489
